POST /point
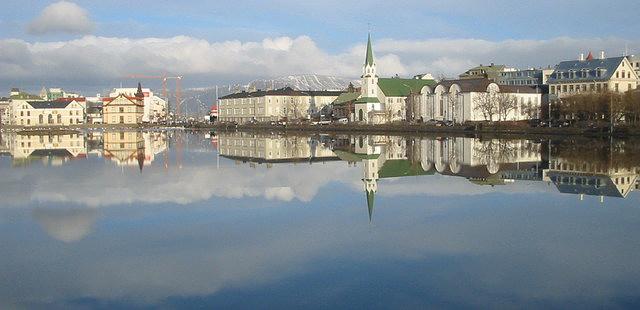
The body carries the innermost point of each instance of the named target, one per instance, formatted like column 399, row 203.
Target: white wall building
column 61, row 112
column 477, row 100
column 155, row 108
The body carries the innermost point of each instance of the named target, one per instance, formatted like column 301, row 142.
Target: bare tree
column 505, row 103
column 485, row 104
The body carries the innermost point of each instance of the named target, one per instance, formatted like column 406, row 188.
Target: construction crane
column 164, row 78
column 178, row 91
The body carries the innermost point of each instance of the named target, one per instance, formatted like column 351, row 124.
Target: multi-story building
column 56, row 93
column 5, row 111
column 273, row 105
column 476, row 100
column 383, row 100
column 635, row 63
column 492, row 72
column 60, row 112
column 526, row 77
column 123, row 109
column 589, row 74
column 155, row 108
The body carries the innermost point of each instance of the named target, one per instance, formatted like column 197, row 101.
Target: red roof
column 590, row 56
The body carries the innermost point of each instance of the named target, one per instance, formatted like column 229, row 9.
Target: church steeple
column 371, row 196
column 369, row 58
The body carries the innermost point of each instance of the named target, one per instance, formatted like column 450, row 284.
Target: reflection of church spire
column 371, row 196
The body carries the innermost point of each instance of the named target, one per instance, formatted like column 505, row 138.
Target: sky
column 90, row 43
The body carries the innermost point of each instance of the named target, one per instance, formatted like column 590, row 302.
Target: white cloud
column 198, row 59
column 62, row 17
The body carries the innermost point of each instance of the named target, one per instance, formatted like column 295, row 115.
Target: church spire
column 369, row 59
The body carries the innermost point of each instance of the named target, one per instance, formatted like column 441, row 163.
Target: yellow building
column 123, row 110
column 126, row 148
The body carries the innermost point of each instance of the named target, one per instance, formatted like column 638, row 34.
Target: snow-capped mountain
column 198, row 99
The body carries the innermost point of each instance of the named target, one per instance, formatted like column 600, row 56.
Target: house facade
column 466, row 100
column 155, row 108
column 615, row 74
column 273, row 105
column 5, row 111
column 123, row 110
column 60, row 112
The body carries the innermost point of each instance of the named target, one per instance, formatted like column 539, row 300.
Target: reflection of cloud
column 68, row 225
column 62, row 17
column 107, row 186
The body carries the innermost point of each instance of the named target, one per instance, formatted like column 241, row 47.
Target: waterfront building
column 615, row 74
column 526, row 77
column 124, row 109
column 155, row 108
column 492, row 72
column 5, row 111
column 273, row 105
column 59, row 112
column 383, row 100
column 465, row 100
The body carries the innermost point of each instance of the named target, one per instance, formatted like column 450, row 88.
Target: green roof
column 346, row 97
column 401, row 168
column 395, row 87
column 354, row 157
column 371, row 196
column 368, row 100
column 369, row 59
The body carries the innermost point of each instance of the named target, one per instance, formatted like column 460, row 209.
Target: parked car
column 343, row 120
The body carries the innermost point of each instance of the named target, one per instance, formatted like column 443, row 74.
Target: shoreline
column 400, row 129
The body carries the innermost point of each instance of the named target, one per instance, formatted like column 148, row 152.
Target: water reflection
column 173, row 219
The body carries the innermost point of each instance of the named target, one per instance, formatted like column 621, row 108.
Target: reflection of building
column 50, row 149
column 258, row 148
column 126, row 148
column 575, row 173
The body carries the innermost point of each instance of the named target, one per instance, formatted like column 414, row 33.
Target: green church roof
column 346, row 97
column 371, row 195
column 369, row 59
column 401, row 168
column 396, row 87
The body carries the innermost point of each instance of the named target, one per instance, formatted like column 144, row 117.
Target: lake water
column 170, row 219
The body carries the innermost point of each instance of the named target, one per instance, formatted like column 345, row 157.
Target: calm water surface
column 196, row 220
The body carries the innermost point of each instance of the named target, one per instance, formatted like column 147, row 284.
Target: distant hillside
column 196, row 99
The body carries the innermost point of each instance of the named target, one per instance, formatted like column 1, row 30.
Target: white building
column 476, row 100
column 615, row 74
column 383, row 100
column 60, row 112
column 155, row 108
column 273, row 105
column 5, row 111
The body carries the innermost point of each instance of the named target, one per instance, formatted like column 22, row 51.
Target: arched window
column 360, row 115
column 41, row 119
column 50, row 119
column 59, row 118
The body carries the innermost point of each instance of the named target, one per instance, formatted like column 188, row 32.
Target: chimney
column 601, row 54
column 581, row 57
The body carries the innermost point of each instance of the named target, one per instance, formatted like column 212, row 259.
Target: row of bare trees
column 619, row 108
column 495, row 105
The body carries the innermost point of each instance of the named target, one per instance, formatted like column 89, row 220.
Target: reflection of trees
column 493, row 152
column 603, row 153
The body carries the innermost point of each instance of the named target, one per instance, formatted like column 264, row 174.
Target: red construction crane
column 163, row 78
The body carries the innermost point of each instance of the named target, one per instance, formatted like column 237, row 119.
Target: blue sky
column 450, row 36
